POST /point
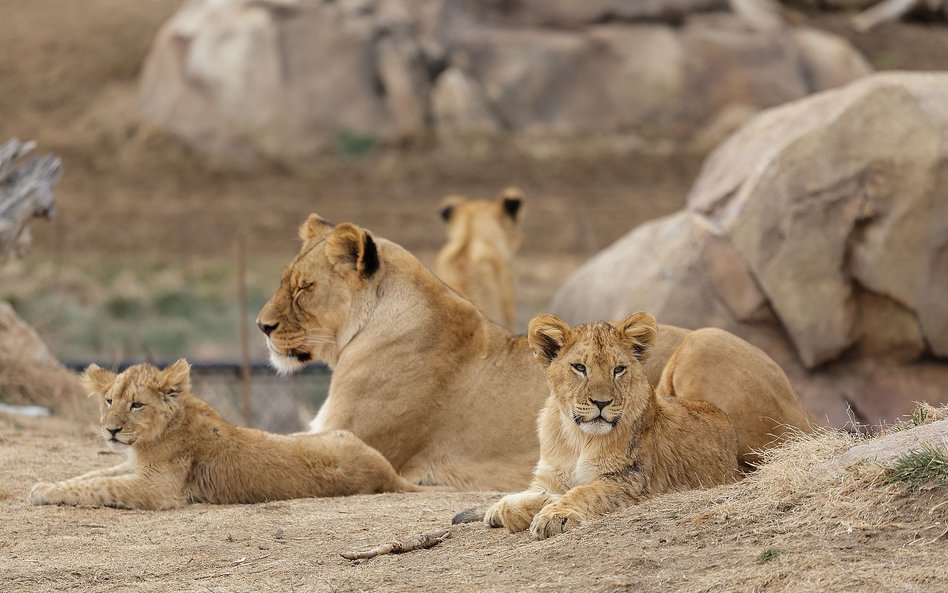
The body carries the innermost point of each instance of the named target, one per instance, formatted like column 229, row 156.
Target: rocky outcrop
column 30, row 374
column 287, row 79
column 818, row 231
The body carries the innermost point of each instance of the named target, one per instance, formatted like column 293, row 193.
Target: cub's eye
column 137, row 405
column 618, row 370
column 579, row 368
column 108, row 402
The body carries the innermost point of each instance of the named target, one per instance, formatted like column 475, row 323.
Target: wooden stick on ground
column 419, row 542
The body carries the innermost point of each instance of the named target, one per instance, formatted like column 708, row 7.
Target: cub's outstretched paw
column 553, row 521
column 44, row 493
column 515, row 511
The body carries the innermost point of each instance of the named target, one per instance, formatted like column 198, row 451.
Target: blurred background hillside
column 187, row 127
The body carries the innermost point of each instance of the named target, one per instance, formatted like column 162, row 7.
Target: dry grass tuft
column 795, row 490
column 924, row 413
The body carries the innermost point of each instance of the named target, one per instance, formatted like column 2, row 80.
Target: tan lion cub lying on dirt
column 606, row 440
column 181, row 450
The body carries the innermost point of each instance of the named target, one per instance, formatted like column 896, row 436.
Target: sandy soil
column 700, row 541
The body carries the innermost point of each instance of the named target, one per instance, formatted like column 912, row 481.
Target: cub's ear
column 547, row 335
column 351, row 250
column 315, row 227
column 638, row 331
column 97, row 380
column 447, row 206
column 511, row 199
column 176, row 379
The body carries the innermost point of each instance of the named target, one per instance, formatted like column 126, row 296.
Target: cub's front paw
column 513, row 512
column 553, row 521
column 44, row 493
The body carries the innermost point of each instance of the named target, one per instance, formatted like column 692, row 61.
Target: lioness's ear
column 97, row 380
column 547, row 334
column 511, row 200
column 352, row 250
column 315, row 227
column 176, row 379
column 447, row 206
column 639, row 331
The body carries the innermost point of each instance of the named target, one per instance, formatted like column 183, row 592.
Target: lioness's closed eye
column 606, row 440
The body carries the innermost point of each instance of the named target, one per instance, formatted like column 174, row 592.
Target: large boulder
column 287, row 79
column 818, row 231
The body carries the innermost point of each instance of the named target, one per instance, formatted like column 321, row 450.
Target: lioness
column 447, row 396
column 477, row 260
column 606, row 440
column 180, row 450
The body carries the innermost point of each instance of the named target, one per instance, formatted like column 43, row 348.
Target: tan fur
column 606, row 440
column 450, row 398
column 477, row 260
column 180, row 450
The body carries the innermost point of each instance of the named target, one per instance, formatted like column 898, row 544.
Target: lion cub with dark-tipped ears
column 606, row 440
column 180, row 450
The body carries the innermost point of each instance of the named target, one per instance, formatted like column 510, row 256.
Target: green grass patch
column 928, row 467
column 354, row 144
column 769, row 554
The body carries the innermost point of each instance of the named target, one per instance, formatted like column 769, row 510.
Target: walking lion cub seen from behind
column 606, row 440
column 477, row 260
column 181, row 450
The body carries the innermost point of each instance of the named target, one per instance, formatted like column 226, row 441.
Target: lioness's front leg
column 583, row 503
column 129, row 491
column 515, row 511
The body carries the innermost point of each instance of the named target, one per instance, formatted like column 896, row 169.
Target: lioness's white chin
column 285, row 365
column 597, row 426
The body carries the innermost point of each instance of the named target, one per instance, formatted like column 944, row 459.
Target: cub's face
column 595, row 371
column 303, row 318
column 138, row 404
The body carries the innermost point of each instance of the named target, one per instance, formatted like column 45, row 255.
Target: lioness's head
column 139, row 403
column 595, row 371
column 498, row 218
column 304, row 316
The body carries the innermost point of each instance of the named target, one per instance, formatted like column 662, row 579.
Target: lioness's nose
column 601, row 404
column 114, row 431
column 265, row 328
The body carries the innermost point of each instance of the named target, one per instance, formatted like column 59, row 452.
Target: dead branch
column 889, row 10
column 26, row 184
column 419, row 542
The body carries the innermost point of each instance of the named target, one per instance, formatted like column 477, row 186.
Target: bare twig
column 889, row 10
column 420, row 542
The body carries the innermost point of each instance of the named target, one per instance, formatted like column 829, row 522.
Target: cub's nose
column 265, row 328
column 114, row 431
column 601, row 404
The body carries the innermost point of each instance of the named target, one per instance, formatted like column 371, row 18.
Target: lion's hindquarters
column 741, row 380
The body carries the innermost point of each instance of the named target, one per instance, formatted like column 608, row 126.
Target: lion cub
column 180, row 450
column 606, row 440
column 477, row 260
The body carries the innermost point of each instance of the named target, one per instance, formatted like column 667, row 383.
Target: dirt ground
column 716, row 540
